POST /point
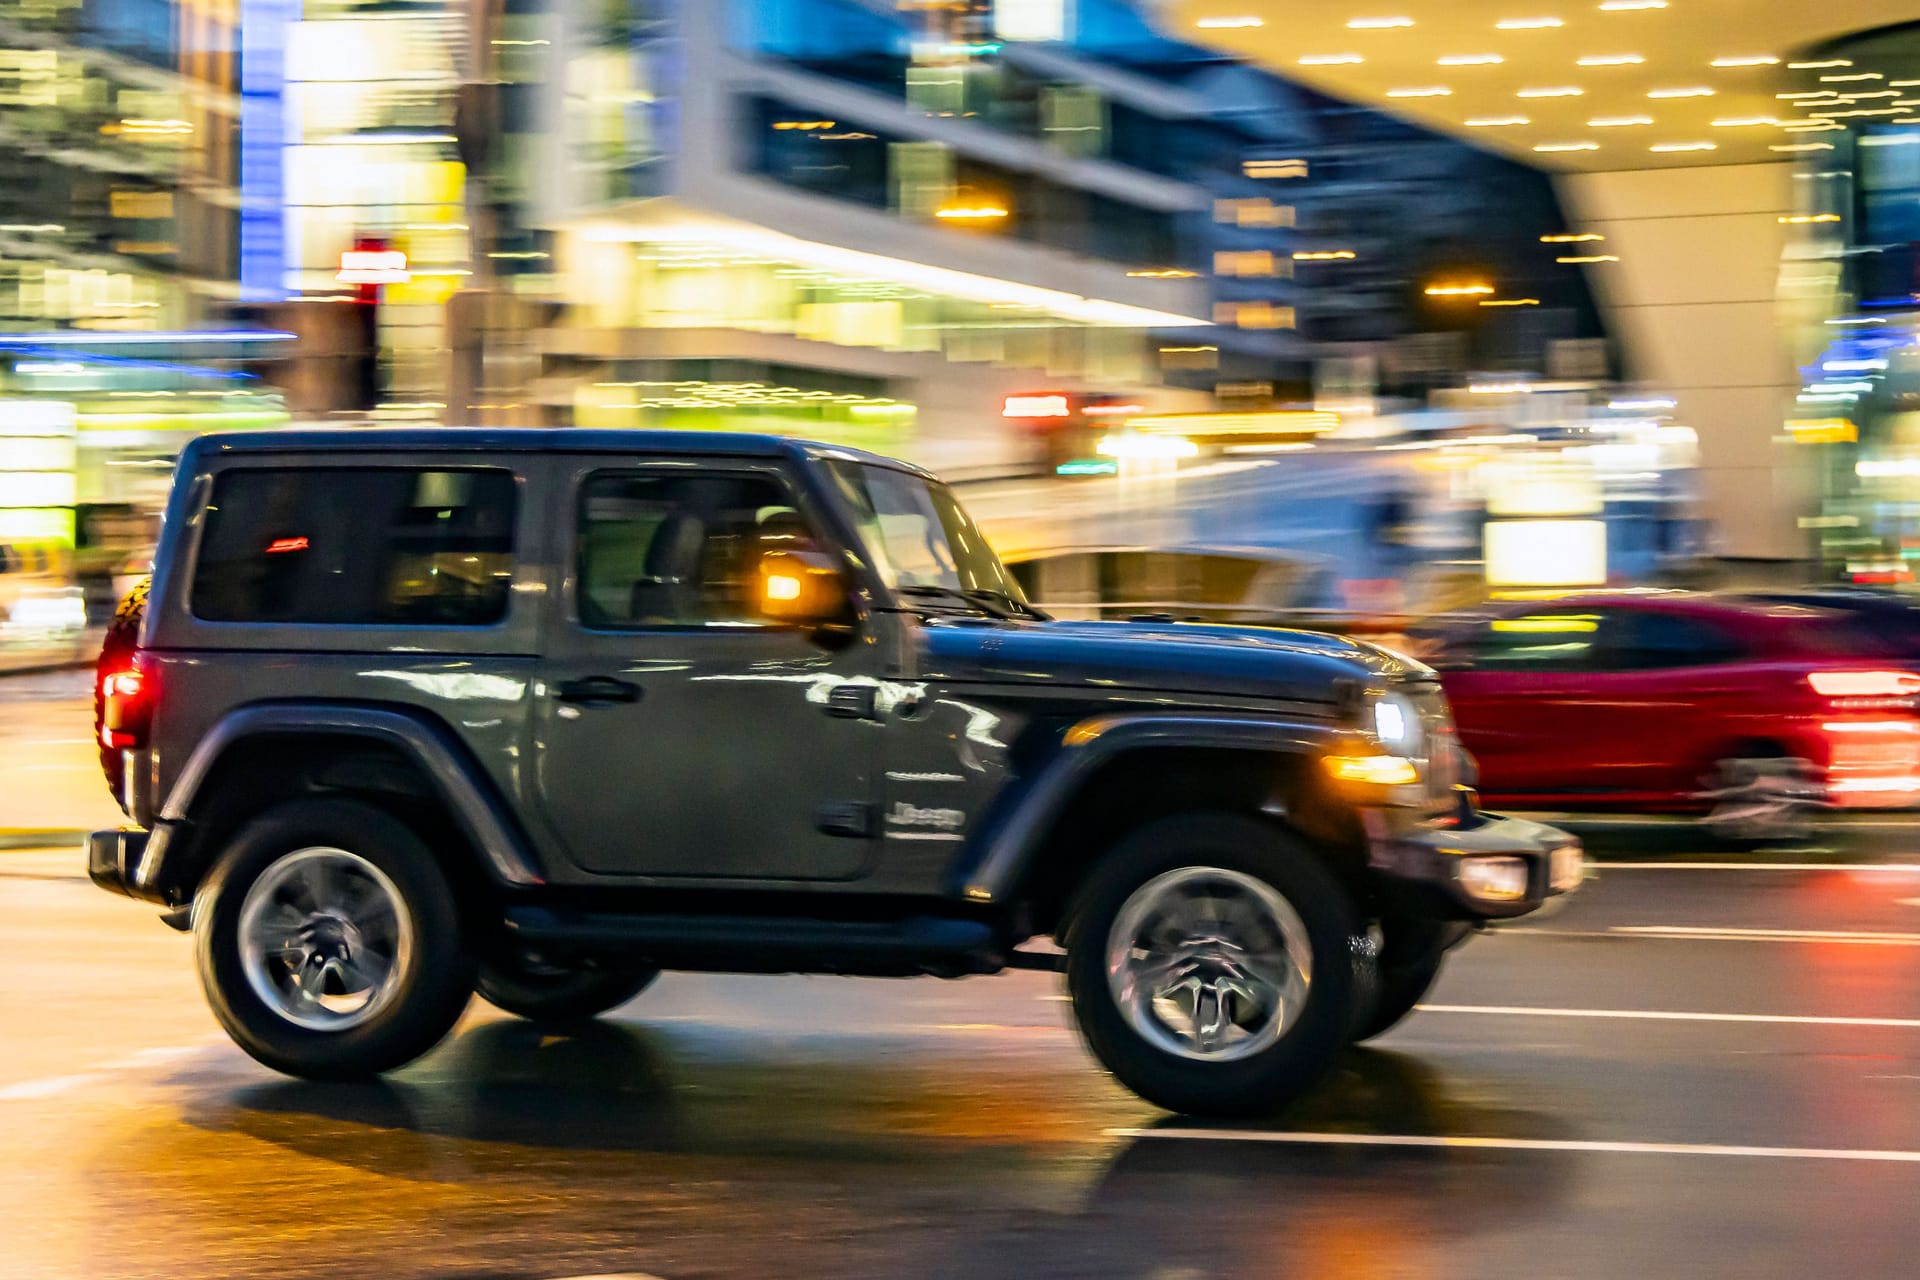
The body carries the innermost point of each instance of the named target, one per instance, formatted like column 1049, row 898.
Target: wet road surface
column 1690, row 1071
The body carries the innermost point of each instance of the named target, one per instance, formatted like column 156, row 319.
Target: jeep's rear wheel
column 329, row 942
column 545, row 992
column 1215, row 965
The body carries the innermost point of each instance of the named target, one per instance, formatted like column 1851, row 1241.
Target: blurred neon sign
column 373, row 266
column 1055, row 406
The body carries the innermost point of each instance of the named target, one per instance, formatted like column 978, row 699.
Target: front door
column 679, row 733
column 1518, row 686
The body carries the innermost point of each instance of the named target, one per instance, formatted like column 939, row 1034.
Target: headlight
column 1396, row 722
column 1494, row 879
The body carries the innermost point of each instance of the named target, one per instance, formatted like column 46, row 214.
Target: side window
column 1544, row 641
column 1658, row 641
column 675, row 550
column 373, row 546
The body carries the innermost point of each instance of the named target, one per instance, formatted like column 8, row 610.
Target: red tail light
column 126, row 699
column 1865, row 684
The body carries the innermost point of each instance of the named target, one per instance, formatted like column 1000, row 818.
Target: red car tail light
column 126, row 699
column 1865, row 684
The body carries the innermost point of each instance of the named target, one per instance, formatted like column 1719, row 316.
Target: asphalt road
column 1699, row 1068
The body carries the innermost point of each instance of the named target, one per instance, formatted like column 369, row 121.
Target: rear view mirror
column 804, row 588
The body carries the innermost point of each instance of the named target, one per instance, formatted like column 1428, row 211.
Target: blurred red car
column 1752, row 713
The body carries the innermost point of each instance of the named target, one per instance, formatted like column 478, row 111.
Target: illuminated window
column 141, row 204
column 1244, row 262
column 1275, row 168
column 1030, row 19
column 1257, row 211
column 1253, row 315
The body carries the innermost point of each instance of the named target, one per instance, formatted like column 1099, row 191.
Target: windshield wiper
column 1008, row 601
column 984, row 601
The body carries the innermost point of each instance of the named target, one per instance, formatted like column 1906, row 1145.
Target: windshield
column 918, row 533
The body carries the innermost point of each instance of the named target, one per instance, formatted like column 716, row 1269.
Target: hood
column 1169, row 657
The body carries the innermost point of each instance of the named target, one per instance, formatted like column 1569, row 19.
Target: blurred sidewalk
column 81, row 650
column 50, row 783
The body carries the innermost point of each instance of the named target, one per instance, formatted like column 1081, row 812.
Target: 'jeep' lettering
column 907, row 815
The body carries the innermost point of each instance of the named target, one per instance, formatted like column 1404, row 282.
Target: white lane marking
column 151, row 1057
column 47, row 1087
column 1651, row 823
column 1662, row 1015
column 1521, row 1144
column 925, row 835
column 1794, row 935
column 1678, row 933
column 1900, row 868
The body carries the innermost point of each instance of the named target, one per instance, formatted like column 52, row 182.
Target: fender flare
column 477, row 811
column 1010, row 849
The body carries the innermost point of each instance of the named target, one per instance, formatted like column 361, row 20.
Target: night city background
column 1571, row 348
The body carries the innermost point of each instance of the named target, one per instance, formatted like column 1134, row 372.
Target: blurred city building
column 1047, row 196
column 120, row 213
column 1852, row 286
column 1674, row 133
column 1170, row 251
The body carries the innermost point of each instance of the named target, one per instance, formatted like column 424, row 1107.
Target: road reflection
column 687, row 1149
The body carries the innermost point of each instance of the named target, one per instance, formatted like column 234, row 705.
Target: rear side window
column 1654, row 641
column 386, row 546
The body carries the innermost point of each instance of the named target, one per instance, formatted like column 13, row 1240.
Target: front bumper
column 1428, row 862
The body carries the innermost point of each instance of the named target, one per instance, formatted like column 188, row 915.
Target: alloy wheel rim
column 1209, row 964
column 324, row 939
column 1758, row 799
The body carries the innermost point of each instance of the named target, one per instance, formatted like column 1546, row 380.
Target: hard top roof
column 523, row 440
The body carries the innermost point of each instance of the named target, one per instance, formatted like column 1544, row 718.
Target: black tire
column 1342, row 966
column 558, row 995
column 122, row 638
column 1407, row 971
column 433, row 982
column 1761, row 797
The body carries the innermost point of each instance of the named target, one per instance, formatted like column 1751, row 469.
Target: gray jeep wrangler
column 414, row 713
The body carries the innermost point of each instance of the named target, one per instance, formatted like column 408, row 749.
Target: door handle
column 596, row 691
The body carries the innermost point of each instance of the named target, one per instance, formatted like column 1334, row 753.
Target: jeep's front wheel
column 1215, row 966
column 329, row 942
column 1409, row 966
column 556, row 993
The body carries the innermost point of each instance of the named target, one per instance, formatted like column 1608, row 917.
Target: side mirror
column 804, row 588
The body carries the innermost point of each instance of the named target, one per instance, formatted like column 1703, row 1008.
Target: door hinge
column 853, row 702
column 845, row 818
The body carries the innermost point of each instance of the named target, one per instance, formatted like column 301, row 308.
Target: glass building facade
column 851, row 219
column 1851, row 284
